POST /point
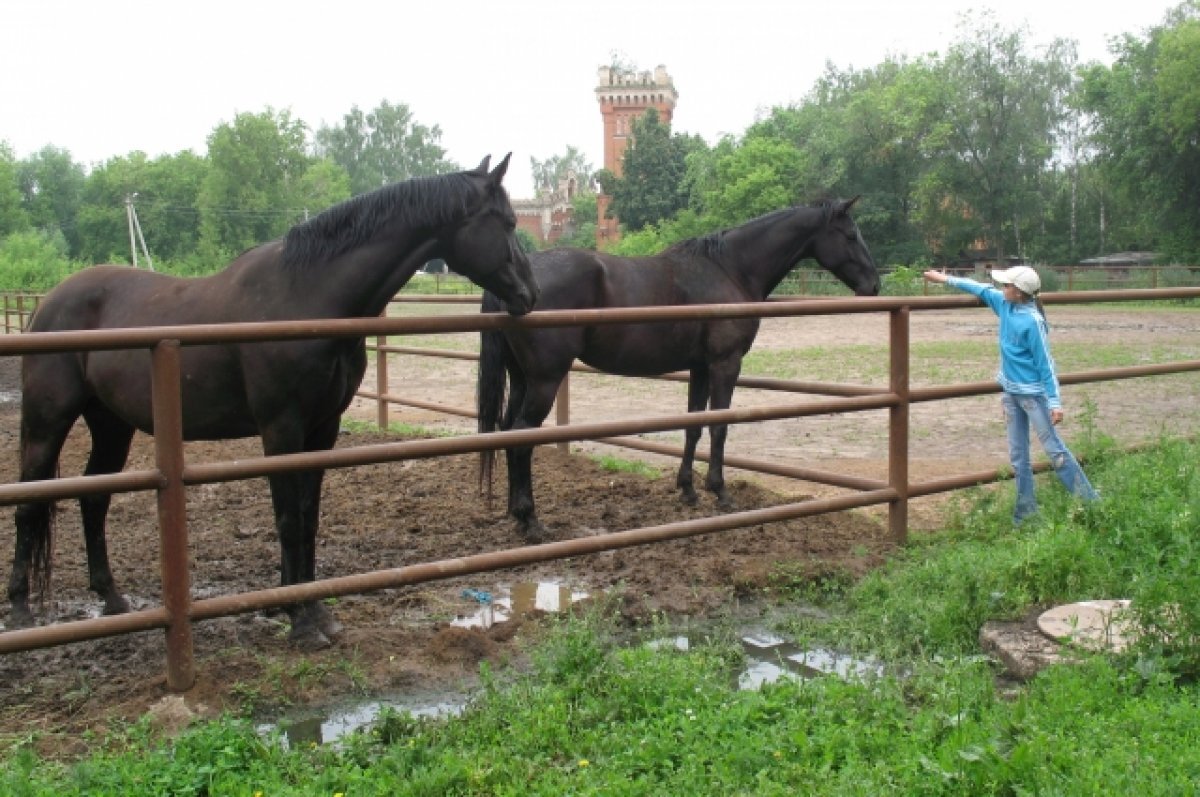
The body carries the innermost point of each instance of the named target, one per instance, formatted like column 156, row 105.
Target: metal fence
column 172, row 475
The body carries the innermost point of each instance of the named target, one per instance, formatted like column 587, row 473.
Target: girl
column 1028, row 380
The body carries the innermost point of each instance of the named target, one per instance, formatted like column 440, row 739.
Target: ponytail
column 1042, row 310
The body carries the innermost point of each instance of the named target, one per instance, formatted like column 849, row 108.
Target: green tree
column 169, row 204
column 33, row 260
column 252, row 190
column 652, row 186
column 51, row 185
column 582, row 232
column 1146, row 112
column 324, row 183
column 548, row 173
column 383, row 146
column 1004, row 108
column 164, row 193
column 762, row 173
column 885, row 122
column 103, row 218
column 13, row 217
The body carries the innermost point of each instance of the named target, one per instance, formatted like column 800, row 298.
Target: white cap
column 1025, row 278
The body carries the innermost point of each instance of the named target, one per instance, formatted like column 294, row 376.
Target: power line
column 135, row 225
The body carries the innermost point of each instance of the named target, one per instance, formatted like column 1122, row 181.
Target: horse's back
column 581, row 278
column 572, row 279
column 569, row 279
column 83, row 300
column 110, row 296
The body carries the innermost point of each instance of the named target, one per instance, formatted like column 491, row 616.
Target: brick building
column 624, row 96
column 547, row 217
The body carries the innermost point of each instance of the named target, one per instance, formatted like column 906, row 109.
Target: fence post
column 898, row 424
column 562, row 408
column 172, row 513
column 381, row 379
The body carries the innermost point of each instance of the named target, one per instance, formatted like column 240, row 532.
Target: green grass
column 598, row 715
column 402, row 429
column 619, row 465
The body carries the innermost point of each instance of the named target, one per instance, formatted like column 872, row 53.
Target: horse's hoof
column 326, row 622
column 116, row 605
column 689, row 498
column 20, row 617
column 308, row 639
column 725, row 503
column 533, row 532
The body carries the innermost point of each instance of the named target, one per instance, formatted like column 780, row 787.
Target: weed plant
column 598, row 716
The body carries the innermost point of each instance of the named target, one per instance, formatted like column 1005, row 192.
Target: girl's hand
column 935, row 276
column 1056, row 417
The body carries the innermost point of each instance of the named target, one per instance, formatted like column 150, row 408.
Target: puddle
column 337, row 723
column 772, row 658
column 521, row 599
column 331, row 725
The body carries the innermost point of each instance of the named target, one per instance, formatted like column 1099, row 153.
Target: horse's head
column 839, row 248
column 483, row 246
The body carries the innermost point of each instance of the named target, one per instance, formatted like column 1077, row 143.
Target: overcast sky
column 102, row 78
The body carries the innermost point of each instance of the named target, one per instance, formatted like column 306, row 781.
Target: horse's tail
column 490, row 389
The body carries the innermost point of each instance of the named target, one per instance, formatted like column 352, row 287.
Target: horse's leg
column 296, row 552
column 49, row 409
column 111, row 438
column 310, row 513
column 512, row 411
column 697, row 401
column 724, row 375
column 536, row 399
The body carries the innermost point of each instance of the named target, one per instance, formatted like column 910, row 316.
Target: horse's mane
column 418, row 202
column 712, row 245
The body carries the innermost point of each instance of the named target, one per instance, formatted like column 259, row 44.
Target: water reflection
column 771, row 658
column 520, row 600
column 339, row 722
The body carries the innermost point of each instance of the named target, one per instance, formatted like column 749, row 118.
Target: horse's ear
column 849, row 203
column 498, row 173
column 483, row 165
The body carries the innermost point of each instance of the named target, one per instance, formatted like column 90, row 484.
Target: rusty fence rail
column 172, row 475
column 814, row 281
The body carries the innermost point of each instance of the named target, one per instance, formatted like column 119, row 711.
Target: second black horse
column 740, row 264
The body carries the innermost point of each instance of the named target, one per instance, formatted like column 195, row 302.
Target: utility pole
column 135, row 226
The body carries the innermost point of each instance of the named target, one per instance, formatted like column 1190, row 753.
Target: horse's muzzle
column 522, row 303
column 870, row 289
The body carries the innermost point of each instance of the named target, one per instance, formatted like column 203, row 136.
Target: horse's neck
column 367, row 278
column 763, row 254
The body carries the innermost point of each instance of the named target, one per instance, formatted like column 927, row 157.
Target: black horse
column 346, row 262
column 741, row 264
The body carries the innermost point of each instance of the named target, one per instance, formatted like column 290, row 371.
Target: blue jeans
column 1020, row 412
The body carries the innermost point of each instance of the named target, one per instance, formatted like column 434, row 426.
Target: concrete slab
column 1096, row 624
column 1023, row 651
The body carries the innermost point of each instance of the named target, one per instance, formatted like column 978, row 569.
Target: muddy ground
column 401, row 641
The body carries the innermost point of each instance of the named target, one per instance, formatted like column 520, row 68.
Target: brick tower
column 625, row 96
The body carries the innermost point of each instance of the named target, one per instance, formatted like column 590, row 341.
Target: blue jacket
column 1026, row 367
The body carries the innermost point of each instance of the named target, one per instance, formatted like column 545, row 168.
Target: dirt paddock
column 409, row 512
